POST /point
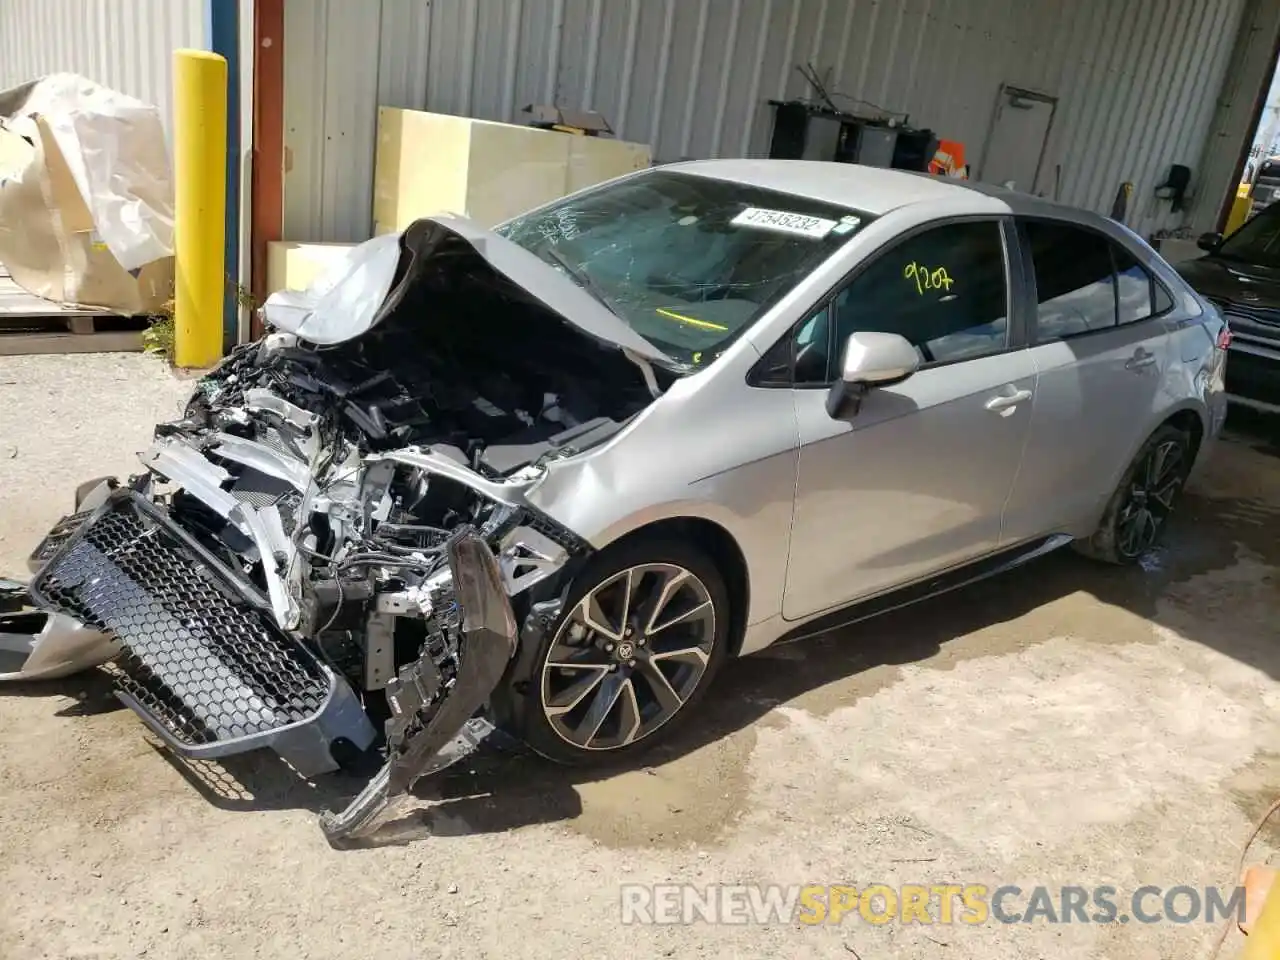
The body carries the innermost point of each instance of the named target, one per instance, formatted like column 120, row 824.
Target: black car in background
column 1266, row 185
column 1241, row 275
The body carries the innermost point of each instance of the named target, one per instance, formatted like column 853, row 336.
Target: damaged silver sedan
column 561, row 471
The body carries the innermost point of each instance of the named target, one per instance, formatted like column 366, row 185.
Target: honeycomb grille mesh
column 56, row 537
column 206, row 666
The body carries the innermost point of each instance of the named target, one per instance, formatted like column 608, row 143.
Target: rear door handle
column 1141, row 358
column 1008, row 400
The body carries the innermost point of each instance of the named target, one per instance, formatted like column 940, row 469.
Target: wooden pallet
column 29, row 324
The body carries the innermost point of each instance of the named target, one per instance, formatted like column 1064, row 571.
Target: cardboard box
column 593, row 160
column 292, row 265
column 430, row 163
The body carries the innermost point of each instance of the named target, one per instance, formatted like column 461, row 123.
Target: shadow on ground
column 500, row 788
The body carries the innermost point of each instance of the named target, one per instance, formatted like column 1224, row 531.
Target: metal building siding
column 1137, row 81
column 331, row 68
column 127, row 46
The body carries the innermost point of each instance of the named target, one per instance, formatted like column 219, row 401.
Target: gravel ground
column 1065, row 724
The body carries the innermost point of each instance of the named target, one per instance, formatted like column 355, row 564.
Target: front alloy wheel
column 644, row 629
column 628, row 656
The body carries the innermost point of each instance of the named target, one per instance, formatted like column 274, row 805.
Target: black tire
column 1114, row 541
column 519, row 701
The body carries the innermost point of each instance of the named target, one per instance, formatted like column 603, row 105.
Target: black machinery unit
column 808, row 131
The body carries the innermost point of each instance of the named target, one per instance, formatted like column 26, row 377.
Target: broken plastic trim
column 49, row 644
column 425, row 717
column 13, row 595
column 506, row 492
column 190, row 469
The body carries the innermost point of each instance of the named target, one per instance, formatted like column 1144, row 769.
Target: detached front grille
column 198, row 657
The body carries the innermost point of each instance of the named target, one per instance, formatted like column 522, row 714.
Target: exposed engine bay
column 330, row 553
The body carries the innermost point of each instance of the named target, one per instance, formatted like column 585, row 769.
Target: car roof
column 878, row 190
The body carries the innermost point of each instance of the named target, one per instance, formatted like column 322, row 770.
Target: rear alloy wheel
column 1140, row 508
column 634, row 649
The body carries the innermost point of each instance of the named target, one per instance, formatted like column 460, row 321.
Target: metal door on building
column 1019, row 131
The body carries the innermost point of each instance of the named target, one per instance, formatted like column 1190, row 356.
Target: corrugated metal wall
column 124, row 44
column 1138, row 81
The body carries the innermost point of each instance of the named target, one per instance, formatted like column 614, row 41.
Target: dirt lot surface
column 1066, row 724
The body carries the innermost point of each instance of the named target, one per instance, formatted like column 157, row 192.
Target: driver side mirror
column 1209, row 241
column 870, row 360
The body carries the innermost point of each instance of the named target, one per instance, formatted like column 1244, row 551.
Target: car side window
column 801, row 358
column 1139, row 296
column 1075, row 279
column 814, row 364
column 943, row 289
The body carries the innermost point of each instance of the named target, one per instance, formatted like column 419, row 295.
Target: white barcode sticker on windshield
column 784, row 222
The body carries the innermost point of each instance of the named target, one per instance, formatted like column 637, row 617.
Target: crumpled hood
column 356, row 293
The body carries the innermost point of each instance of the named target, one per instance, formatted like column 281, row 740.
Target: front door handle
column 1141, row 358
column 1008, row 400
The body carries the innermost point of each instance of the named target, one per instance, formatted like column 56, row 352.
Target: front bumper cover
column 200, row 659
column 203, row 663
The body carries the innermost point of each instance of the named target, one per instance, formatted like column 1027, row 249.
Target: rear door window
column 1075, row 280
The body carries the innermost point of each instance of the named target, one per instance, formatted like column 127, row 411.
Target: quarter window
column 802, row 357
column 1139, row 295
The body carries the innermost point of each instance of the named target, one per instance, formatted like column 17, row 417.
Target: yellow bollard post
column 1241, row 211
column 200, row 200
column 1264, row 935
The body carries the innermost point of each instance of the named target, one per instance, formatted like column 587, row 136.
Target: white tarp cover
column 115, row 149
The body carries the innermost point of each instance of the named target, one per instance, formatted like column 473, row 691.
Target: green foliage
column 158, row 338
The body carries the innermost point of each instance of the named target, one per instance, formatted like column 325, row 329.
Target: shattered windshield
column 688, row 262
